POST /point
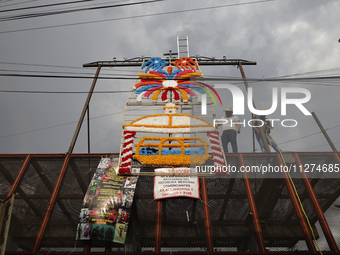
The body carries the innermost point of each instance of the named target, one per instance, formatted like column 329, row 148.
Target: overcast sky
column 284, row 37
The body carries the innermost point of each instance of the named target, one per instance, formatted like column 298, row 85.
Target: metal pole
column 317, row 208
column 87, row 247
column 253, row 134
column 19, row 176
column 81, row 119
column 88, row 129
column 51, row 205
column 297, row 209
column 252, row 206
column 207, row 222
column 257, row 117
column 324, row 132
column 158, row 227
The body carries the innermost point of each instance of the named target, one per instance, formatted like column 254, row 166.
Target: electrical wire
column 293, row 140
column 58, row 66
column 65, row 76
column 59, row 125
column 16, row 3
column 225, row 78
column 42, row 65
column 63, row 92
column 49, row 13
column 64, row 124
column 46, row 5
column 316, row 146
column 58, row 72
column 336, row 79
column 136, row 16
column 309, row 72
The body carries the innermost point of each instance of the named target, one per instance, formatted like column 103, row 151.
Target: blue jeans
column 270, row 141
column 229, row 136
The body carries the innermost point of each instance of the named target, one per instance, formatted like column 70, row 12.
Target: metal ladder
column 183, row 47
column 183, row 51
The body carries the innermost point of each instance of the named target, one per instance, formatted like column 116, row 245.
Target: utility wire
column 207, row 76
column 42, row 65
column 332, row 78
column 136, row 16
column 66, row 76
column 64, row 124
column 309, row 72
column 46, row 13
column 17, row 3
column 26, row 64
column 56, row 72
column 63, row 92
column 58, row 66
column 302, row 137
column 308, row 81
column 46, row 5
column 293, row 140
column 317, row 146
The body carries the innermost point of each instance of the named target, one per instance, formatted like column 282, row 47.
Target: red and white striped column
column 214, row 139
column 126, row 155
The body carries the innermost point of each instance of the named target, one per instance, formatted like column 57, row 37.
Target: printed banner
column 107, row 204
column 175, row 186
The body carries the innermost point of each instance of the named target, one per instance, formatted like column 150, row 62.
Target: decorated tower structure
column 170, row 129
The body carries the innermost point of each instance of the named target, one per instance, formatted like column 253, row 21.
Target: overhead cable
column 136, row 16
column 48, row 13
column 46, row 5
column 63, row 92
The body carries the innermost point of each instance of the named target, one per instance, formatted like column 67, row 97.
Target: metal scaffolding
column 244, row 213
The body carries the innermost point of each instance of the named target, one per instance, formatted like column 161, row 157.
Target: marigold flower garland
column 159, row 156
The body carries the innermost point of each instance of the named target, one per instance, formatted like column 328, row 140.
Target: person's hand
column 238, row 131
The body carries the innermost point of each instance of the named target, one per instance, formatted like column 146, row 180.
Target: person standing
column 230, row 128
column 264, row 124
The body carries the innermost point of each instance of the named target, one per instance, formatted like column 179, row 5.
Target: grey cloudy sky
column 284, row 37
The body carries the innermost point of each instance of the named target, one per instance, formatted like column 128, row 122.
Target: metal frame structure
column 139, row 61
column 201, row 60
column 252, row 195
column 250, row 234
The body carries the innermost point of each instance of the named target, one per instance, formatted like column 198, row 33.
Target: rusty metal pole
column 19, row 176
column 207, row 222
column 88, row 129
column 297, row 209
column 87, row 247
column 256, row 116
column 158, row 227
column 81, row 119
column 108, row 247
column 253, row 210
column 324, row 132
column 51, row 205
column 337, row 158
column 317, row 207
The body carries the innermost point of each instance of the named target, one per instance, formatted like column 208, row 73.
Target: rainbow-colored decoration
column 177, row 84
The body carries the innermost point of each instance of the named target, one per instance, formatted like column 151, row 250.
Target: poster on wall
column 107, row 204
column 175, row 186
